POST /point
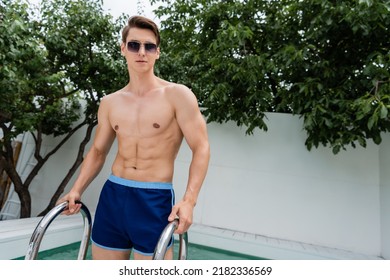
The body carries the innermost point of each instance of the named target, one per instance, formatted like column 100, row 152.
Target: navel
column 156, row 125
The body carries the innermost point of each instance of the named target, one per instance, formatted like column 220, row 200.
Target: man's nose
column 141, row 50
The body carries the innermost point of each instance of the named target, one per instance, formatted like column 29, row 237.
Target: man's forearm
column 92, row 165
column 197, row 173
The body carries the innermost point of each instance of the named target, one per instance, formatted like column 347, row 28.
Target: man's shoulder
column 180, row 87
column 179, row 95
column 177, row 89
column 110, row 100
column 112, row 96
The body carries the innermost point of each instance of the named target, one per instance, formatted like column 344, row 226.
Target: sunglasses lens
column 152, row 48
column 133, row 46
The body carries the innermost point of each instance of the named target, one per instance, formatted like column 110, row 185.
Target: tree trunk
column 20, row 189
column 8, row 163
column 3, row 186
column 72, row 170
column 25, row 203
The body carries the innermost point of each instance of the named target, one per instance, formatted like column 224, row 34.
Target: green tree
column 53, row 57
column 327, row 61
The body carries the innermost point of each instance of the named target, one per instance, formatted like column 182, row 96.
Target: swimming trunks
column 132, row 214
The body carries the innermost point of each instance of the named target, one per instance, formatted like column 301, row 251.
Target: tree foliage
column 52, row 57
column 326, row 61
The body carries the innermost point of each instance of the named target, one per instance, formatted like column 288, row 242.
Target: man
column 149, row 117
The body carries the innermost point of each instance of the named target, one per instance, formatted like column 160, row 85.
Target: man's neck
column 142, row 83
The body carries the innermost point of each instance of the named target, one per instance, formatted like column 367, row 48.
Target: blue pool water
column 195, row 252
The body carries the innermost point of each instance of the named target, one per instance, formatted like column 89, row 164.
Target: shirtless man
column 149, row 117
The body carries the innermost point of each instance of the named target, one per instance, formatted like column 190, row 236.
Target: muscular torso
column 148, row 135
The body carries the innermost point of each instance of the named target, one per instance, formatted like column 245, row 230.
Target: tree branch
column 42, row 160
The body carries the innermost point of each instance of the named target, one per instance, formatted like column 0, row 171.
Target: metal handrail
column 40, row 230
column 165, row 237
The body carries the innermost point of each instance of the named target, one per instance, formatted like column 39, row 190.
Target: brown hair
column 143, row 23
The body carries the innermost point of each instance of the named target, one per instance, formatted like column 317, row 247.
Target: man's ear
column 123, row 48
column 158, row 53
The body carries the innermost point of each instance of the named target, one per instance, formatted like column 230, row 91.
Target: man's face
column 140, row 49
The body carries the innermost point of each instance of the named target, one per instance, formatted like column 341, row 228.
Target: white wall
column 269, row 184
column 384, row 157
column 51, row 175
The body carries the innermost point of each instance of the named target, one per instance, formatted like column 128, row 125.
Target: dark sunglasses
column 134, row 46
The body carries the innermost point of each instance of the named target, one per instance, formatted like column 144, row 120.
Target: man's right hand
column 74, row 205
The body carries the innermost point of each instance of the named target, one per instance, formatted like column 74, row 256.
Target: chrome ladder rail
column 40, row 230
column 165, row 237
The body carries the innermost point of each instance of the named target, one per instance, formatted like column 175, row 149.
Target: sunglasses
column 134, row 46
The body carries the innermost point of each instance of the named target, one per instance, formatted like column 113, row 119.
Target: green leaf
column 383, row 111
column 298, row 57
column 372, row 121
column 336, row 149
column 377, row 139
column 367, row 2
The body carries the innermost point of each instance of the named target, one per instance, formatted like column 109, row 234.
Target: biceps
column 195, row 132
column 104, row 138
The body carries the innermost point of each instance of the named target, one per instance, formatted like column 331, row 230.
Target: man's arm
column 194, row 129
column 94, row 160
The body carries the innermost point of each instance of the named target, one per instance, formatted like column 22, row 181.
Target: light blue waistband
column 139, row 184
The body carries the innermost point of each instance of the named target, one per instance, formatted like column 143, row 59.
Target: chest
column 141, row 117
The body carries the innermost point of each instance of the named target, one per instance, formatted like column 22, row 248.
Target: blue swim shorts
column 132, row 214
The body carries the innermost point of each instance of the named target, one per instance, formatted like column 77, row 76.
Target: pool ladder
column 165, row 237
column 44, row 223
column 159, row 252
